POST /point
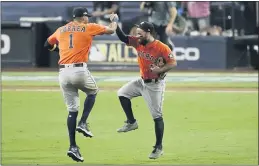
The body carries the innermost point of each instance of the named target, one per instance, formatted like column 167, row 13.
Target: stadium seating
column 12, row 11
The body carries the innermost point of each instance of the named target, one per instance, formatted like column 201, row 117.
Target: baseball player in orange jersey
column 73, row 41
column 155, row 59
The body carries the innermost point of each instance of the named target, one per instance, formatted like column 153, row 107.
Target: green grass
column 55, row 73
column 200, row 128
column 103, row 84
column 117, row 73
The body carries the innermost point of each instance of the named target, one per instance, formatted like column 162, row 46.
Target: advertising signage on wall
column 190, row 53
column 24, row 47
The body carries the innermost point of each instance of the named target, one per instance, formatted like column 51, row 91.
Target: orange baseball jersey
column 75, row 40
column 148, row 54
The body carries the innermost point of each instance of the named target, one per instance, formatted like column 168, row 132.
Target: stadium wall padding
column 23, row 47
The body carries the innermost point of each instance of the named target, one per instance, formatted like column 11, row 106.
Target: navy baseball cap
column 80, row 12
column 146, row 26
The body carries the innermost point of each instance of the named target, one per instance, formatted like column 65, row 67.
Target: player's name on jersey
column 72, row 29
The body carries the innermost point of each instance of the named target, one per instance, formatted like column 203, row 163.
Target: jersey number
column 71, row 40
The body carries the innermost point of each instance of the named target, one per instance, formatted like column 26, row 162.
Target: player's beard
column 143, row 41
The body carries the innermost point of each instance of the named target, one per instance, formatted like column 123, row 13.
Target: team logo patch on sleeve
column 171, row 55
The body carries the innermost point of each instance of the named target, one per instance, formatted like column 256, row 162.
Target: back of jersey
column 74, row 43
column 75, row 40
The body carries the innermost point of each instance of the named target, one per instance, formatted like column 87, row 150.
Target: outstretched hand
column 114, row 17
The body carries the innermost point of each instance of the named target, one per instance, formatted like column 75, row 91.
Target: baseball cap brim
column 88, row 15
column 138, row 26
column 144, row 29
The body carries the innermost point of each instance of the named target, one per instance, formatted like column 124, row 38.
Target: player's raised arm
column 98, row 29
column 111, row 28
column 121, row 35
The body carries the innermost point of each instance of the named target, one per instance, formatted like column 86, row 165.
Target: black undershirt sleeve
column 121, row 35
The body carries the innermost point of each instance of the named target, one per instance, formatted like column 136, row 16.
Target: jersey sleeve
column 168, row 55
column 53, row 39
column 96, row 29
column 133, row 41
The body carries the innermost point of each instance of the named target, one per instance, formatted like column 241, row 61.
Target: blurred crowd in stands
column 170, row 17
column 186, row 18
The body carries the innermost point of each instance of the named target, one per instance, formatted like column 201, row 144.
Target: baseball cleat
column 74, row 153
column 84, row 129
column 128, row 127
column 156, row 153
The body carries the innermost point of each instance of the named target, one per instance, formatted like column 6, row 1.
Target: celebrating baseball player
column 73, row 41
column 155, row 59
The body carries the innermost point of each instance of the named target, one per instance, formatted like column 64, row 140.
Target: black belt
column 74, row 65
column 150, row 80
